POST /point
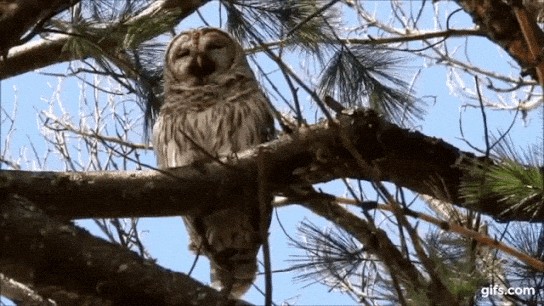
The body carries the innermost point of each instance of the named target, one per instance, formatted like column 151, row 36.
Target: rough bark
column 316, row 154
column 20, row 293
column 64, row 263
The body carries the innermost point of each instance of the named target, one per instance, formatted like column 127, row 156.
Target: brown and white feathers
column 214, row 108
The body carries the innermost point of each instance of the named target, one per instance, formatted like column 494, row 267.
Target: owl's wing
column 172, row 148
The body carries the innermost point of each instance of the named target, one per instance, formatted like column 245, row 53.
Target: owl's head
column 204, row 56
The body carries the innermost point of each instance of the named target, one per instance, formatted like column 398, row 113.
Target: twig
column 265, row 216
column 456, row 228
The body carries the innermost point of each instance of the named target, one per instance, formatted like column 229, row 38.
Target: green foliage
column 82, row 46
column 517, row 179
column 298, row 24
column 100, row 23
column 330, row 255
column 516, row 184
column 457, row 266
column 361, row 75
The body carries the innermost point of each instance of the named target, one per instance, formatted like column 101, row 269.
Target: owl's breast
column 212, row 127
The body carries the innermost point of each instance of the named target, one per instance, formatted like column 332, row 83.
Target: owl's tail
column 231, row 240
column 234, row 270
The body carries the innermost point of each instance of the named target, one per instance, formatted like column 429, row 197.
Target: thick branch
column 74, row 195
column 65, row 263
column 20, row 293
column 46, row 52
column 315, row 154
column 17, row 17
column 498, row 20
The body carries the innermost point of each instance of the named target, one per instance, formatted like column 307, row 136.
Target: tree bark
column 498, row 20
column 64, row 263
column 315, row 154
column 21, row 16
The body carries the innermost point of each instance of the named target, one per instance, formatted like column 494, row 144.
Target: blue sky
column 165, row 238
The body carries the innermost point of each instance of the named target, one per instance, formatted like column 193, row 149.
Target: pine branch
column 466, row 232
column 365, row 75
column 46, row 52
column 378, row 243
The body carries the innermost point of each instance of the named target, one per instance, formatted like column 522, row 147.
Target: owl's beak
column 202, row 66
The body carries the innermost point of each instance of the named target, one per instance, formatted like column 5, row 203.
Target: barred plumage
column 213, row 108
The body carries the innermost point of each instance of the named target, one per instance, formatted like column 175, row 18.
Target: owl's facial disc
column 215, row 50
column 202, row 57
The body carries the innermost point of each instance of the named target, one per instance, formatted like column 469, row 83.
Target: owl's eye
column 182, row 53
column 214, row 46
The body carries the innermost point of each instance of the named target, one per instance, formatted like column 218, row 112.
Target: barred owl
column 213, row 108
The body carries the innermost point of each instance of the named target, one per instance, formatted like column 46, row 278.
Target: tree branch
column 21, row 16
column 65, row 263
column 49, row 51
column 315, row 154
column 498, row 20
column 377, row 242
column 20, row 293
